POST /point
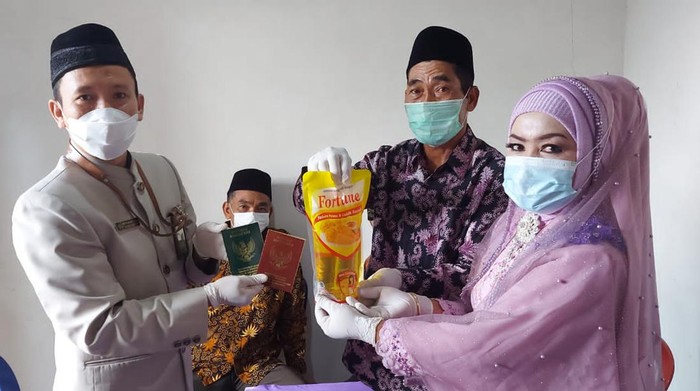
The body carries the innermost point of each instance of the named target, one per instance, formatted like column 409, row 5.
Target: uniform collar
column 110, row 170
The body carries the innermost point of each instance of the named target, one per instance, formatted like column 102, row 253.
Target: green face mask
column 434, row 123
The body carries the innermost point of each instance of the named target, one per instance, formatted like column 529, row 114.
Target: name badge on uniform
column 126, row 224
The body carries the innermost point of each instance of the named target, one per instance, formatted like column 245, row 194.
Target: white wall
column 230, row 85
column 662, row 56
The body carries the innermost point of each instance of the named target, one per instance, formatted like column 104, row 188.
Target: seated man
column 245, row 343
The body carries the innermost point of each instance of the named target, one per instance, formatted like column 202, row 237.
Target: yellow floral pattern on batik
column 249, row 339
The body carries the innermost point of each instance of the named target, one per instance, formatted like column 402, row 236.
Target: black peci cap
column 251, row 179
column 443, row 44
column 86, row 45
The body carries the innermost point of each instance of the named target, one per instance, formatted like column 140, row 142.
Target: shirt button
column 166, row 270
column 140, row 187
column 196, row 339
column 156, row 227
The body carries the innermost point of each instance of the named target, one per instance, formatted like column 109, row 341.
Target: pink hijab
column 578, row 307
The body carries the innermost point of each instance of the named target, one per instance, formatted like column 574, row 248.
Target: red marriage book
column 280, row 259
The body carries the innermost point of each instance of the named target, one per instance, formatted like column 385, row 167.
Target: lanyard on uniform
column 177, row 220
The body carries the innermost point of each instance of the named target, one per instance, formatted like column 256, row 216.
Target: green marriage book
column 243, row 247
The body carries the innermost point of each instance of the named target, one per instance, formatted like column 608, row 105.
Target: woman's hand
column 383, row 277
column 391, row 303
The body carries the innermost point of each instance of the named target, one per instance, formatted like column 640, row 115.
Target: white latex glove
column 391, row 303
column 383, row 277
column 234, row 290
column 208, row 241
column 335, row 160
column 339, row 320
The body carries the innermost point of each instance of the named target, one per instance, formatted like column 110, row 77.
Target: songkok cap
column 443, row 44
column 86, row 45
column 251, row 179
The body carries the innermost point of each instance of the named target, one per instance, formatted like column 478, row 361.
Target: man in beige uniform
column 106, row 238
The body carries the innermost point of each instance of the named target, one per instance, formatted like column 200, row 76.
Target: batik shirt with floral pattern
column 249, row 339
column 426, row 225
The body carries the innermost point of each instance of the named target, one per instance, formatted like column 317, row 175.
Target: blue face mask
column 539, row 185
column 434, row 123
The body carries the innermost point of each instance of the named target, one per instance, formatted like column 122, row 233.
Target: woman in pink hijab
column 562, row 292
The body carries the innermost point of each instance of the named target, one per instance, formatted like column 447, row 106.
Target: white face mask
column 103, row 133
column 239, row 219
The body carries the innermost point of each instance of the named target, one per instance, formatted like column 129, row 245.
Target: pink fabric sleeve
column 394, row 356
column 553, row 329
column 452, row 307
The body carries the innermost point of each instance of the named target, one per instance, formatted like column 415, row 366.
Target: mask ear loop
column 464, row 100
column 603, row 144
column 230, row 220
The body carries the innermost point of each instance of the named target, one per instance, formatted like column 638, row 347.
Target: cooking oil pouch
column 335, row 216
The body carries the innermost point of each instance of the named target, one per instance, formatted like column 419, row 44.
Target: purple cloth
column 578, row 309
column 426, row 225
column 347, row 386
